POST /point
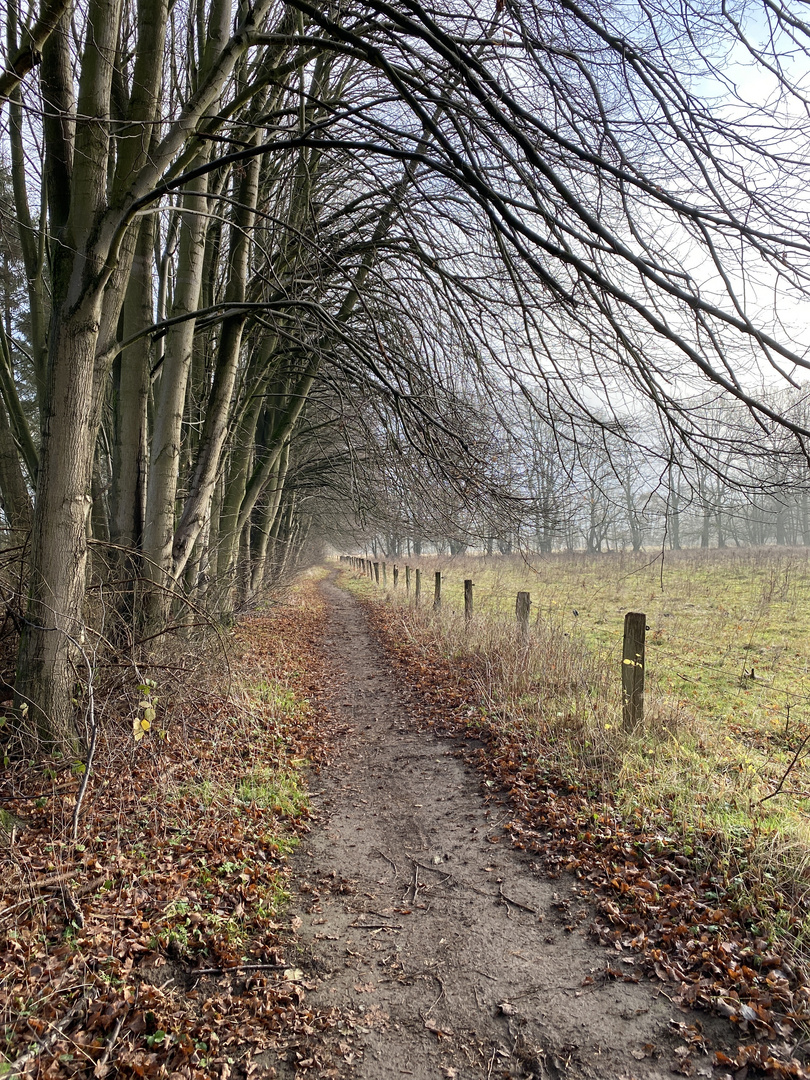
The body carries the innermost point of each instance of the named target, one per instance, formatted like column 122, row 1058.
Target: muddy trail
column 455, row 954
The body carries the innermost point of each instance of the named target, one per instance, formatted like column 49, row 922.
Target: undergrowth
column 115, row 943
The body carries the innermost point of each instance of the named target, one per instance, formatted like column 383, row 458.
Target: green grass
column 281, row 699
column 279, row 790
column 713, row 617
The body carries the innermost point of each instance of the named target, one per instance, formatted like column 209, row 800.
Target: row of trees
column 625, row 487
column 260, row 251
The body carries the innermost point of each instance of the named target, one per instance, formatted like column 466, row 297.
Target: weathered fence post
column 396, row 575
column 407, row 581
column 417, row 586
column 385, row 576
column 468, row 600
column 376, row 573
column 437, row 591
column 523, row 605
column 635, row 632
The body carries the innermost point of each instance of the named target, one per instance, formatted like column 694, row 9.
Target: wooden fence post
column 468, row 600
column 523, row 605
column 437, row 591
column 635, row 628
column 376, row 573
column 385, row 576
column 396, row 575
column 407, row 581
column 417, row 586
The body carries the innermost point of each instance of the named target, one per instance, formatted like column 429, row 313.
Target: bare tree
column 417, row 200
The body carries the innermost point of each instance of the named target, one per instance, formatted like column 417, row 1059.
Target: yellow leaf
column 145, row 724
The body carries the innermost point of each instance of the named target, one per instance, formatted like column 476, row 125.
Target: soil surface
column 456, row 954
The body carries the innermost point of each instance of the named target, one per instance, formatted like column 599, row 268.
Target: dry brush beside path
column 454, row 954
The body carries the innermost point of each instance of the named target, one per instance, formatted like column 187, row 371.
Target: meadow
column 728, row 630
column 723, row 755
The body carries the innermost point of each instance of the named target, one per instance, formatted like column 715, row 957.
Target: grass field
column 729, row 631
column 723, row 747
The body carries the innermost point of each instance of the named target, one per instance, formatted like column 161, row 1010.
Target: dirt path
column 458, row 957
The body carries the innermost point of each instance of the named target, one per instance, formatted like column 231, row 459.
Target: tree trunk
column 54, row 628
column 781, row 538
column 269, row 517
column 128, row 509
column 170, row 401
column 198, row 504
column 16, row 500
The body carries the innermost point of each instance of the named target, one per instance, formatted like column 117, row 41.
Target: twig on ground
column 491, row 1064
column 438, row 999
column 57, row 879
column 497, row 824
column 390, row 862
column 72, row 909
column 108, row 1049
column 507, row 900
column 20, row 904
column 413, row 887
column 785, row 774
column 237, row 967
column 376, row 926
column 90, row 886
column 434, row 869
column 52, row 884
